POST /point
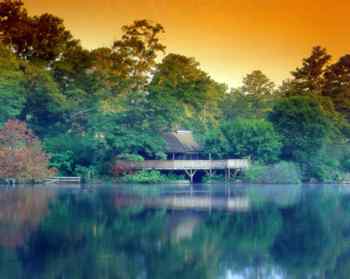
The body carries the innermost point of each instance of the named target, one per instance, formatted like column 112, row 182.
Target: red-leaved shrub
column 21, row 154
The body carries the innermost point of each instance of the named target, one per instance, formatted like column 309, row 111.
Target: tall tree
column 137, row 51
column 113, row 73
column 15, row 27
column 337, row 85
column 235, row 104
column 303, row 125
column 258, row 90
column 310, row 76
column 83, row 86
column 42, row 38
column 45, row 104
column 258, row 84
column 180, row 79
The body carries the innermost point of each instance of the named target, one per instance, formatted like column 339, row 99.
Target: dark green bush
column 214, row 178
column 280, row 173
column 130, row 157
column 144, row 177
column 69, row 151
column 321, row 168
column 254, row 138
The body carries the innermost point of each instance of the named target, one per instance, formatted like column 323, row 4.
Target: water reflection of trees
column 21, row 211
column 87, row 236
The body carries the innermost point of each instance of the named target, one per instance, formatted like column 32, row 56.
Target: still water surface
column 163, row 232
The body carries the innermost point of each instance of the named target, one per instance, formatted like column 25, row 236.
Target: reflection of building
column 187, row 200
column 182, row 226
column 185, row 154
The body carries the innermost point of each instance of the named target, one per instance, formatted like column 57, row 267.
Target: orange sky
column 229, row 38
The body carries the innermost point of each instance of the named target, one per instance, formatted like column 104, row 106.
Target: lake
column 162, row 231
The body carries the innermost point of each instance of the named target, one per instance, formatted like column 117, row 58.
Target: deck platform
column 230, row 166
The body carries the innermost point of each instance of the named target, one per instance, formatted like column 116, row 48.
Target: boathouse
column 185, row 154
column 181, row 145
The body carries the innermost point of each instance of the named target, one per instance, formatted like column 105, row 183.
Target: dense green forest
column 89, row 107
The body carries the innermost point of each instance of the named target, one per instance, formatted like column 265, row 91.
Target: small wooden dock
column 190, row 167
column 64, row 179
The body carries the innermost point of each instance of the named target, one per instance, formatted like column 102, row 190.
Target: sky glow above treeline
column 229, row 38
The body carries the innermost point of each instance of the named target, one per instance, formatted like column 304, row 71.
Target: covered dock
column 184, row 153
column 191, row 167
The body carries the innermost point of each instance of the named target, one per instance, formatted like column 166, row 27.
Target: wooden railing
column 188, row 164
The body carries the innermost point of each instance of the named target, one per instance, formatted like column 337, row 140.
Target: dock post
column 191, row 174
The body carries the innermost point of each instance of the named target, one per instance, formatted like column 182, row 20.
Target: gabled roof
column 181, row 141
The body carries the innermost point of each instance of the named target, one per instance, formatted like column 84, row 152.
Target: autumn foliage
column 122, row 168
column 21, row 154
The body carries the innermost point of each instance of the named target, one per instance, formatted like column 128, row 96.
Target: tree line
column 88, row 107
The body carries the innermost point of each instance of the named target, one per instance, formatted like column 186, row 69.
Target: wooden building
column 185, row 154
column 181, row 145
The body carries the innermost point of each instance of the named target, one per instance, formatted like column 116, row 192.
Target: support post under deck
column 191, row 174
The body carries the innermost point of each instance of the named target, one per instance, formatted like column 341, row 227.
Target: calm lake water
column 166, row 232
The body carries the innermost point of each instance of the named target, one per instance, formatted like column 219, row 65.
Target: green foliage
column 45, row 103
column 255, row 173
column 62, row 161
column 280, row 173
column 337, row 85
column 38, row 38
column 90, row 106
column 213, row 179
column 234, row 105
column 137, row 51
column 303, row 125
column 253, row 99
column 146, row 144
column 11, row 85
column 86, row 173
column 215, row 143
column 181, row 77
column 322, row 168
column 310, row 76
column 344, row 157
column 144, row 177
column 130, row 157
column 346, row 164
column 130, row 130
column 306, row 129
column 258, row 90
column 150, row 177
column 188, row 89
column 70, row 151
column 252, row 138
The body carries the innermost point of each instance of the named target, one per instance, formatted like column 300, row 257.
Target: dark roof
column 181, row 141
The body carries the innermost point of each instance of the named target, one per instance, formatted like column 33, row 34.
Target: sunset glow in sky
column 229, row 38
